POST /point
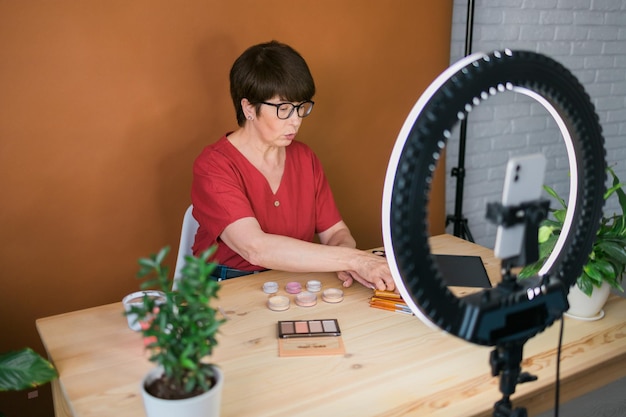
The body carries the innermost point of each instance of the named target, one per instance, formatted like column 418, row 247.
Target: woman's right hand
column 371, row 271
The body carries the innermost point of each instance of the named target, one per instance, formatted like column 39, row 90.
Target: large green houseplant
column 607, row 259
column 23, row 369
column 182, row 329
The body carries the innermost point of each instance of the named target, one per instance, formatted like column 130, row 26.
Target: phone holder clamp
column 529, row 213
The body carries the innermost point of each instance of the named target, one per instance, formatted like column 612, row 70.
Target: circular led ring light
column 418, row 148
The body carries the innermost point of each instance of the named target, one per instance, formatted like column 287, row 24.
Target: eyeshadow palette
column 308, row 328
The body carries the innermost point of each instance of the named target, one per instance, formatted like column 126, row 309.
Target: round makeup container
column 293, row 287
column 332, row 295
column 270, row 287
column 136, row 299
column 314, row 285
column 278, row 303
column 306, row 299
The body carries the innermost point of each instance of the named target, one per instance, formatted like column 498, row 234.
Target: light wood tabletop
column 394, row 364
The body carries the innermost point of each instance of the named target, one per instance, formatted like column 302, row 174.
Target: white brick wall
column 589, row 38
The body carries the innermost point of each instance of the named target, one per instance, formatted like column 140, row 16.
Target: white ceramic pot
column 203, row 405
column 584, row 307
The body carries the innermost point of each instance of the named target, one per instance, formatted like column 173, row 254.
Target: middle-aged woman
column 261, row 195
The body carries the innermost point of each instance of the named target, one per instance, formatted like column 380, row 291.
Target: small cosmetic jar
column 332, row 295
column 306, row 299
column 293, row 287
column 136, row 299
column 278, row 303
column 270, row 287
column 314, row 285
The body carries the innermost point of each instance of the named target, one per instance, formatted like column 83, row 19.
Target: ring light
column 492, row 316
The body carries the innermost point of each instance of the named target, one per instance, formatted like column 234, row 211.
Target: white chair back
column 187, row 237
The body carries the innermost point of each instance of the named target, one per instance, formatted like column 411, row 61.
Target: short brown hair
column 267, row 70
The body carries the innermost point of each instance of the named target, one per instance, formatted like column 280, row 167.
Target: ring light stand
column 511, row 313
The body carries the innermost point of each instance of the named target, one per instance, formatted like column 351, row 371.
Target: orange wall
column 105, row 104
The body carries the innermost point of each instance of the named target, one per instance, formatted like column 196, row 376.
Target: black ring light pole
column 514, row 311
column 460, row 226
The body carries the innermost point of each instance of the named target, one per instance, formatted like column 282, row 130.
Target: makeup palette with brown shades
column 310, row 338
column 308, row 328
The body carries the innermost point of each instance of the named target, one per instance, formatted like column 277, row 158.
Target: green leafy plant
column 607, row 259
column 23, row 369
column 182, row 327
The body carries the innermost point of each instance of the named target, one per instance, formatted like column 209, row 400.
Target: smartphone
column 523, row 182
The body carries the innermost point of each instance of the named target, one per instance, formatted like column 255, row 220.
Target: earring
column 249, row 117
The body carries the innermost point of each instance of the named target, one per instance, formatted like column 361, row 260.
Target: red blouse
column 227, row 187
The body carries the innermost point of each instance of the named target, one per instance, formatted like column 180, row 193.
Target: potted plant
column 607, row 259
column 181, row 329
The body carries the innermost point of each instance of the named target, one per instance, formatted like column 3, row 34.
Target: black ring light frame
column 500, row 316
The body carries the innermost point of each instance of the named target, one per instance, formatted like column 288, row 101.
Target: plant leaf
column 553, row 193
column 559, row 215
column 544, row 233
column 592, row 273
column 24, row 369
column 585, row 285
column 613, row 250
column 531, row 270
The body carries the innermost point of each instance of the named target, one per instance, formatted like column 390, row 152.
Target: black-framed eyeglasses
column 285, row 110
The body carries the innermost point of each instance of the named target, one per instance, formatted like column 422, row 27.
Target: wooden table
column 394, row 364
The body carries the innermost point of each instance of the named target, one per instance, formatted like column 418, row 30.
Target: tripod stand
column 505, row 361
column 506, row 358
column 461, row 227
